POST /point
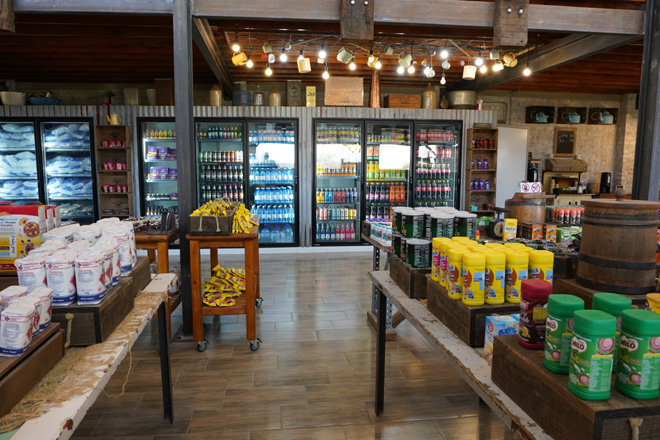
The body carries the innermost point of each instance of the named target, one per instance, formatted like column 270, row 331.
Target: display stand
column 411, row 280
column 572, row 287
column 466, row 361
column 481, row 146
column 156, row 246
column 392, row 320
column 114, row 204
column 246, row 303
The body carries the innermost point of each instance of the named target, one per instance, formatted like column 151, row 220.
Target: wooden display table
column 157, row 246
column 467, row 362
column 246, row 303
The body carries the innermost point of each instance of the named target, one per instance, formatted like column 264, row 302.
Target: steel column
column 165, row 371
column 646, row 176
column 185, row 142
column 380, row 355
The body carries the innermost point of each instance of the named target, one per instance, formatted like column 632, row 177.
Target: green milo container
column 614, row 304
column 412, row 224
column 396, row 245
column 559, row 331
column 592, row 346
column 638, row 370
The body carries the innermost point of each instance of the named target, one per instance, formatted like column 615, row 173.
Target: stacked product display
column 23, row 314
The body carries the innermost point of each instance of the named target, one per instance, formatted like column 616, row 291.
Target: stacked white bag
column 22, row 315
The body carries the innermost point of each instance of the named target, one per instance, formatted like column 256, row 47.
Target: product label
column 473, row 285
column 639, row 362
column 532, row 321
column 558, row 337
column 513, row 279
column 591, row 363
column 454, row 281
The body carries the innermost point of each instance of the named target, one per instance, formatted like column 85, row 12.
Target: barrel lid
column 564, row 305
column 594, row 322
column 612, row 303
column 619, row 204
column 641, row 322
column 535, row 289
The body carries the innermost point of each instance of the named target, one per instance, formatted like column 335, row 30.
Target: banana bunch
column 223, row 287
column 218, row 207
column 243, row 220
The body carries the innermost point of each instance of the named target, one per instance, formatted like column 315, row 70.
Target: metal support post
column 380, row 356
column 165, row 371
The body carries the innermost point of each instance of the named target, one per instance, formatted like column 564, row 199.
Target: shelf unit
column 481, row 145
column 116, row 202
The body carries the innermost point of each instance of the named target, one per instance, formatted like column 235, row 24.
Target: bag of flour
column 116, row 266
column 31, row 271
column 79, row 246
column 63, row 233
column 36, row 304
column 90, row 282
column 123, row 240
column 16, row 323
column 44, row 296
column 61, row 276
column 10, row 294
column 107, row 263
column 89, row 233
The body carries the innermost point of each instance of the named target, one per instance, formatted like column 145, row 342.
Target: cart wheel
column 202, row 345
column 258, row 302
column 254, row 344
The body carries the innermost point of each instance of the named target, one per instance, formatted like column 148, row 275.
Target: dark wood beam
column 511, row 21
column 357, row 20
column 205, row 41
column 564, row 51
column 439, row 13
column 7, row 22
column 142, row 7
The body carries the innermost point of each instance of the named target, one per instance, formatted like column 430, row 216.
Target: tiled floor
column 312, row 378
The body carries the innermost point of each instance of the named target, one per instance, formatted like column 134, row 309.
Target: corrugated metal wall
column 303, row 115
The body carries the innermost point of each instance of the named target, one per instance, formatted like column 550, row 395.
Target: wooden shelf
column 479, row 197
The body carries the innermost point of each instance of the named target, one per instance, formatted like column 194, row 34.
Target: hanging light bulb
column 236, row 47
column 283, row 56
column 322, row 52
column 444, row 54
column 378, row 64
column 443, row 81
column 352, row 66
column 400, row 70
column 301, row 56
column 249, row 63
column 371, row 58
column 527, row 70
column 269, row 71
column 326, row 75
column 479, row 61
column 483, row 69
column 411, row 68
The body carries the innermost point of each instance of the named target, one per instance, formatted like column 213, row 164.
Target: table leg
column 163, row 258
column 257, row 292
column 165, row 371
column 214, row 257
column 250, row 285
column 380, row 355
column 196, row 291
column 151, row 253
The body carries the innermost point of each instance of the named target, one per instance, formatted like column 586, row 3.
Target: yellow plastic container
column 517, row 264
column 445, row 246
column 527, row 249
column 474, row 268
column 495, row 277
column 454, row 272
column 436, row 258
column 541, row 265
column 514, row 245
column 462, row 239
column 496, row 246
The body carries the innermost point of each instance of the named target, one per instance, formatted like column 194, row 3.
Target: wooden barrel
column 618, row 248
column 527, row 207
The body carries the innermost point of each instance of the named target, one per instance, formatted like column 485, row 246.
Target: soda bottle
column 240, row 193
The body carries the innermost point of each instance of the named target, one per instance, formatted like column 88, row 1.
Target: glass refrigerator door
column 337, row 189
column 220, row 172
column 19, row 179
column 67, row 150
column 272, row 180
column 437, row 164
column 161, row 188
column 387, row 168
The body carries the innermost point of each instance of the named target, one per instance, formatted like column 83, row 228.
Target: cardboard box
column 21, row 227
column 294, row 93
column 497, row 326
column 551, row 233
column 403, row 101
column 310, row 96
column 537, row 231
column 510, row 228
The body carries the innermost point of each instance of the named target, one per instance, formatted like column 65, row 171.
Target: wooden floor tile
column 412, row 407
column 323, row 414
column 265, row 396
column 487, row 427
column 134, row 423
column 325, row 433
column 312, row 324
column 291, row 376
column 340, row 393
column 394, row 431
column 235, row 419
column 87, row 425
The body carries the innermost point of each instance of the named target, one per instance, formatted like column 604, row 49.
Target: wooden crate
column 411, row 281
column 571, row 287
column 19, row 374
column 546, row 398
column 467, row 322
column 211, row 224
column 93, row 324
column 141, row 275
column 394, row 100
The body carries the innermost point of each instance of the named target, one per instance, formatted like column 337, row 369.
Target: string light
column 483, row 69
column 326, row 75
column 371, row 56
column 378, row 64
column 322, row 52
column 235, row 47
column 400, row 70
column 301, row 56
column 444, row 54
column 352, row 66
column 249, row 63
column 411, row 68
column 527, row 70
column 269, row 71
column 479, row 61
column 283, row 56
column 443, row 81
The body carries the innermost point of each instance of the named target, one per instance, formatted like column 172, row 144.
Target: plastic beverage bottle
column 265, row 234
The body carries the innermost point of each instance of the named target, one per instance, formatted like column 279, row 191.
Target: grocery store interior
column 325, row 122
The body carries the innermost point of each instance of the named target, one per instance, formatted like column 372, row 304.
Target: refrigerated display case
column 272, row 180
column 387, row 168
column 159, row 185
column 220, row 168
column 19, row 167
column 437, row 171
column 337, row 183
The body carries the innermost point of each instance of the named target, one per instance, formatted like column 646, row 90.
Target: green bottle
column 638, row 370
column 592, row 346
column 559, row 331
column 614, row 304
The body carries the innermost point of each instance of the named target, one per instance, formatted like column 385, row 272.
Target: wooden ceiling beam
column 205, row 42
column 142, row 7
column 454, row 13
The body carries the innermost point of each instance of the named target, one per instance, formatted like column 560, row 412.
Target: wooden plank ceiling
column 138, row 49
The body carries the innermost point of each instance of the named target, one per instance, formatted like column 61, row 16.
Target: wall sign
column 565, row 141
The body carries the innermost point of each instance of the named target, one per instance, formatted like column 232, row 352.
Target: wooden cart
column 245, row 304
